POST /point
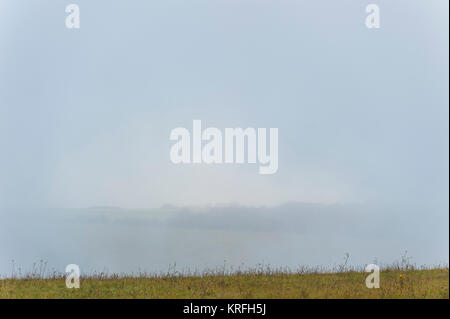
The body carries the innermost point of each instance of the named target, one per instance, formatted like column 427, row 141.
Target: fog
column 197, row 238
column 86, row 115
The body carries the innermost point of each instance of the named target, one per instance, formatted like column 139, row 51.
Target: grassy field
column 425, row 283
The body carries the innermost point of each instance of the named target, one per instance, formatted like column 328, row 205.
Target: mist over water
column 119, row 240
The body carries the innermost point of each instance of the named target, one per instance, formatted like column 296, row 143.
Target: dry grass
column 261, row 282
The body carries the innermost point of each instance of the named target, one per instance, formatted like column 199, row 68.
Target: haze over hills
column 292, row 234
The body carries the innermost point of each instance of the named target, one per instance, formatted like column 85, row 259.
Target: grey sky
column 85, row 115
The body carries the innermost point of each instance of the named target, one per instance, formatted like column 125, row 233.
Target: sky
column 85, row 118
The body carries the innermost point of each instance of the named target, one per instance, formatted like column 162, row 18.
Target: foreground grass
column 430, row 283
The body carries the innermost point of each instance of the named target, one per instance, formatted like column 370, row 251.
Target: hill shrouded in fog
column 293, row 234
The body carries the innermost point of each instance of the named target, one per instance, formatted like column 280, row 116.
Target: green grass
column 424, row 283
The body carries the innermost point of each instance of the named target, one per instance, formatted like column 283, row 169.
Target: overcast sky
column 85, row 115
